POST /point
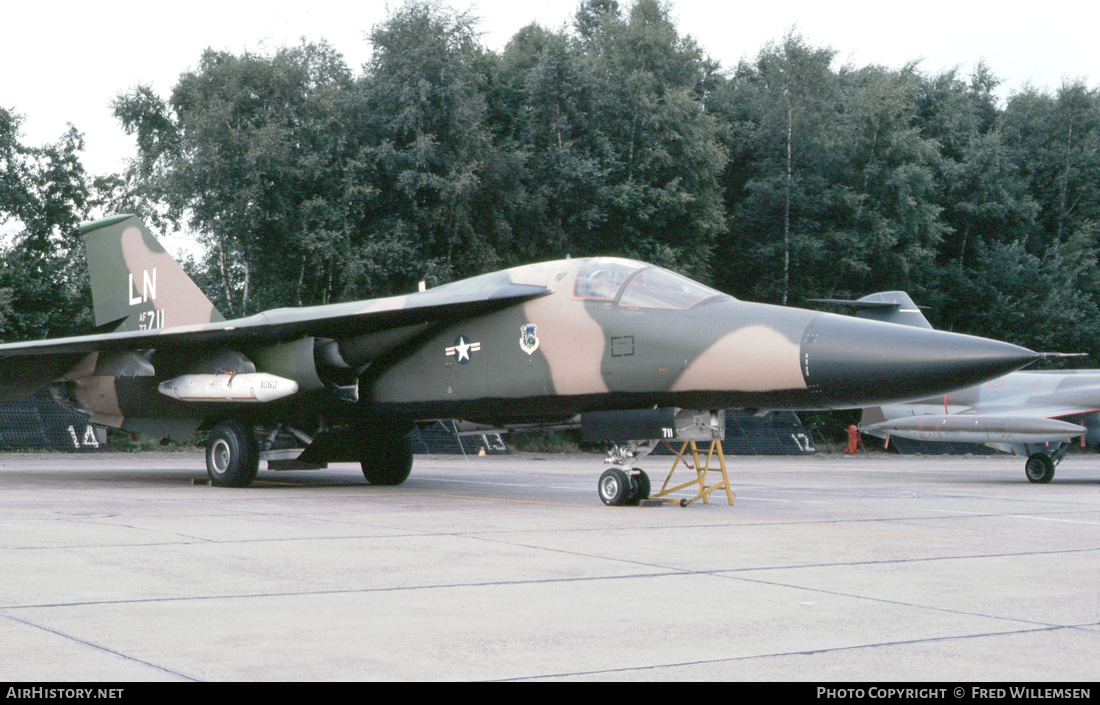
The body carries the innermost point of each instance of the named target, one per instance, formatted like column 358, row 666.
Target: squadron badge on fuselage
column 528, row 338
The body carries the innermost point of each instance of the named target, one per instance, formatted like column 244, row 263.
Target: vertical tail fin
column 136, row 284
column 892, row 307
column 886, row 306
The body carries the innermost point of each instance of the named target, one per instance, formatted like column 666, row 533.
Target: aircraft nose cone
column 844, row 359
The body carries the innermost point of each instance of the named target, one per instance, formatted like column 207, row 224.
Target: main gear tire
column 232, row 455
column 390, row 464
column 614, row 487
column 1039, row 468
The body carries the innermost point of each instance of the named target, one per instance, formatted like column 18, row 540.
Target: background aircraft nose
column 844, row 360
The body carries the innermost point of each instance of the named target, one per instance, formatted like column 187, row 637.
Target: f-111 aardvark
column 533, row 344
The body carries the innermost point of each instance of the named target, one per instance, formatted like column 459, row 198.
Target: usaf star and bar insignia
column 462, row 349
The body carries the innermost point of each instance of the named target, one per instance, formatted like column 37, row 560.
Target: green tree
column 890, row 229
column 43, row 198
column 1055, row 142
column 650, row 133
column 833, row 184
column 781, row 117
column 1045, row 302
column 436, row 204
column 248, row 150
column 547, row 123
column 983, row 196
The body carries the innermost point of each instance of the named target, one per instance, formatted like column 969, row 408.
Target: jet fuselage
column 605, row 334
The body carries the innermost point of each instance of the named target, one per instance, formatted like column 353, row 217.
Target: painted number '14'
column 89, row 437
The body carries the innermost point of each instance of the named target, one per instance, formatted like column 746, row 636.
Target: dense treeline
column 44, row 191
column 781, row 179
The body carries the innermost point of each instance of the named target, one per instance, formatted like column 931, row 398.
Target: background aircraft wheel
column 232, row 455
column 1039, row 468
column 389, row 464
column 639, row 489
column 614, row 487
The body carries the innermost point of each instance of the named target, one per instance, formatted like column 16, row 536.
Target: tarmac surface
column 127, row 567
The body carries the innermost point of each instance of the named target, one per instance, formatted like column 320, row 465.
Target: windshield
column 602, row 277
column 660, row 288
column 641, row 286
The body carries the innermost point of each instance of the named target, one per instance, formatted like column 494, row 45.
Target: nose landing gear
column 619, row 487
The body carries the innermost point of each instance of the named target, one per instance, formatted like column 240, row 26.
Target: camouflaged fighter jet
column 1021, row 413
column 616, row 341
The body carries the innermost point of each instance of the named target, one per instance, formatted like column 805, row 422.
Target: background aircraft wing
column 1053, row 411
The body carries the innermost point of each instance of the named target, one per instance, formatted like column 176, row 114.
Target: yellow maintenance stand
column 701, row 470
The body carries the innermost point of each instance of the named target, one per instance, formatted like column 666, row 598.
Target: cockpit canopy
column 638, row 285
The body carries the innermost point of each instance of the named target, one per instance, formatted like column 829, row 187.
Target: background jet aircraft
column 536, row 343
column 1019, row 413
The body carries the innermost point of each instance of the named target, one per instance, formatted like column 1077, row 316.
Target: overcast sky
column 63, row 61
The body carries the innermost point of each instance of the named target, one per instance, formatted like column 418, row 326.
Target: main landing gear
column 388, row 464
column 628, row 486
column 232, row 455
column 234, row 451
column 625, row 485
column 1039, row 467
